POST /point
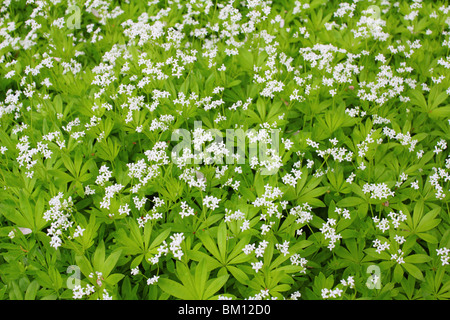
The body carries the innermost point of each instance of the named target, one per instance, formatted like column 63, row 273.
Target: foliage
column 353, row 204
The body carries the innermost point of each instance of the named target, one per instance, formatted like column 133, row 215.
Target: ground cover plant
column 211, row 149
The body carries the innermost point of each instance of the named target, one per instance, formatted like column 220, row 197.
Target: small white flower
column 152, row 280
column 257, row 266
column 135, row 271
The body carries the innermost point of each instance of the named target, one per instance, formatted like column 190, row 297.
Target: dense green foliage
column 351, row 200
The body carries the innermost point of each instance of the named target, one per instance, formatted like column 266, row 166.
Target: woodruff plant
column 205, row 149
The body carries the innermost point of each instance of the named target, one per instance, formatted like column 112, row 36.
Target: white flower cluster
column 378, row 190
column 283, row 248
column 381, row 246
column 186, row 210
column 398, row 257
column 59, row 214
column 79, row 292
column 302, row 212
column 110, row 191
column 264, row 293
column 330, row 233
column 350, row 282
column 337, row 291
column 396, row 218
column 444, row 253
column 191, row 177
column 291, row 178
column 403, row 177
column 145, row 172
column 103, row 176
column 331, row 293
column 174, row 247
column 257, row 265
column 405, row 139
column 211, row 202
column 439, row 173
column 237, row 215
column 267, row 201
column 296, row 260
column 296, row 295
column 152, row 280
column 344, row 211
column 25, row 157
column 153, row 214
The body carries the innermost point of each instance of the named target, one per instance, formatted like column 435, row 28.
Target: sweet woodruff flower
column 59, row 214
column 444, row 254
column 378, row 190
column 211, row 202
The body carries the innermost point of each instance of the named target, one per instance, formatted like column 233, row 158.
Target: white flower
column 399, row 239
column 257, row 265
column 330, row 233
column 211, row 202
column 152, row 280
column 295, row 295
column 104, row 175
column 135, row 271
column 245, row 225
column 287, row 143
column 444, row 253
column 284, row 248
column 398, row 257
column 378, row 190
column 350, row 282
column 248, row 248
column 106, row 295
column 78, row 232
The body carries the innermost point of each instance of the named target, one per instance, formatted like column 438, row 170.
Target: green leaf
column 443, row 112
column 84, row 264
column 184, row 274
column 261, row 107
column 417, row 258
column 413, row 270
column 418, row 213
column 437, row 99
column 211, row 262
column 239, row 275
column 111, row 262
column 32, row 289
column 175, row 289
column 350, row 202
column 99, row 256
column 201, row 275
column 418, row 99
column 428, row 222
column 233, row 83
column 398, row 273
column 114, row 278
column 238, row 248
column 427, row 237
column 214, row 285
column 210, row 245
column 222, row 241
column 160, row 238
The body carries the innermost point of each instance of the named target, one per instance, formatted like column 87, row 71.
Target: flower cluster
column 60, row 216
column 330, row 233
